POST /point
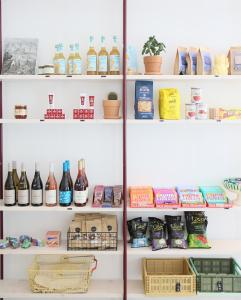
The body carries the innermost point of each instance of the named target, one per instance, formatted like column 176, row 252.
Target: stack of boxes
column 86, row 110
column 53, row 113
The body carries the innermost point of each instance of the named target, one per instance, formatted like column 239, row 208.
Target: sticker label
column 60, row 67
column 51, row 197
column 37, row 196
column 91, row 63
column 103, row 63
column 114, row 63
column 77, row 66
column 23, row 196
column 65, row 197
column 80, row 197
column 9, row 196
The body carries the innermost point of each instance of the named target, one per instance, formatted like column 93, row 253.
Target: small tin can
column 202, row 111
column 190, row 111
column 196, row 95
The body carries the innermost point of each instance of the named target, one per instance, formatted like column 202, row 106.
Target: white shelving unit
column 60, row 77
column 65, row 121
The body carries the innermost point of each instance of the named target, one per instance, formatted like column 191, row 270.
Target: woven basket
column 61, row 274
column 168, row 277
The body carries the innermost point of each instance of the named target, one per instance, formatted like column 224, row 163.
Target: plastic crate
column 168, row 277
column 215, row 275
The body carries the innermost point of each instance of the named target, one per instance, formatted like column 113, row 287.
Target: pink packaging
column 165, row 197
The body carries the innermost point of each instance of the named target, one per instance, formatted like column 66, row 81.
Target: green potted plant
column 111, row 106
column 153, row 60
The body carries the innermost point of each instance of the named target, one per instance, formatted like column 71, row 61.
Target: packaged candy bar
column 117, row 191
column 108, row 197
column 141, row 197
column 98, row 196
column 214, row 195
column 190, row 197
column 165, row 197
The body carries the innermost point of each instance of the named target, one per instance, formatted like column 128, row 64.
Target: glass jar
column 20, row 111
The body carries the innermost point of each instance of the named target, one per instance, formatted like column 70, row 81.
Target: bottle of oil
column 103, row 59
column 114, row 59
column 59, row 60
column 70, row 62
column 77, row 62
column 91, row 58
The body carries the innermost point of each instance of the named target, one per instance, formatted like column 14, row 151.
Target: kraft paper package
column 234, row 57
column 180, row 66
column 169, row 104
column 204, row 62
column 109, row 227
column 191, row 59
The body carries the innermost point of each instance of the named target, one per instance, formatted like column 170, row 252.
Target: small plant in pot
column 153, row 60
column 111, row 106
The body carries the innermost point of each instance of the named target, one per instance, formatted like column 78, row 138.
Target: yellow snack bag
column 169, row 104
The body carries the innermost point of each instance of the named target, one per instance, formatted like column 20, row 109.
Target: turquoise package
column 143, row 106
column 214, row 194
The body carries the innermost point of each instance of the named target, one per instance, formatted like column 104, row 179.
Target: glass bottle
column 65, row 188
column 70, row 179
column 51, row 188
column 70, row 61
column 59, row 60
column 37, row 188
column 9, row 189
column 23, row 188
column 85, row 179
column 103, row 59
column 77, row 62
column 80, row 189
column 15, row 179
column 114, row 59
column 91, row 58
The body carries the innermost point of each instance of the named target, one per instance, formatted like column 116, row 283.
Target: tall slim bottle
column 51, row 188
column 85, row 179
column 9, row 189
column 70, row 179
column 15, row 179
column 103, row 59
column 114, row 59
column 77, row 62
column 91, row 58
column 23, row 188
column 80, row 189
column 70, row 61
column 37, row 188
column 65, row 192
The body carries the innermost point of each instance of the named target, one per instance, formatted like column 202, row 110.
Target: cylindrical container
column 196, row 95
column 40, row 70
column 83, row 100
column 48, row 69
column 190, row 111
column 91, row 101
column 202, row 111
column 51, row 101
column 20, row 111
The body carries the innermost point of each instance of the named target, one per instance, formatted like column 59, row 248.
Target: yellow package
column 169, row 104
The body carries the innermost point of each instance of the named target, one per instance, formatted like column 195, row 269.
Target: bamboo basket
column 168, row 277
column 61, row 274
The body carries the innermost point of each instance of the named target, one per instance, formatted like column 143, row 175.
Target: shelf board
column 60, row 77
column 59, row 121
column 181, row 209
column 136, row 291
column 224, row 248
column 183, row 122
column 99, row 289
column 62, row 250
column 182, row 77
column 72, row 208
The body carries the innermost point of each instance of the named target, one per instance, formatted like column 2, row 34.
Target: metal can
column 196, row 95
column 190, row 111
column 202, row 111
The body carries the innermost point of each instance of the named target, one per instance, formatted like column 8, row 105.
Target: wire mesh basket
column 92, row 240
column 168, row 277
column 61, row 274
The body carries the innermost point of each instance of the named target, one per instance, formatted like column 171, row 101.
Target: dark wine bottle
column 37, row 188
column 80, row 189
column 65, row 188
column 9, row 189
column 23, row 188
column 70, row 179
column 15, row 179
column 85, row 180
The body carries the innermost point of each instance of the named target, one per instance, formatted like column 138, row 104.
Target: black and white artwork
column 20, row 56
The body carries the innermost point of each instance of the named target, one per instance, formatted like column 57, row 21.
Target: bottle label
column 65, row 197
column 23, row 196
column 91, row 63
column 114, row 63
column 37, row 197
column 51, row 197
column 70, row 66
column 80, row 197
column 9, row 196
column 60, row 67
column 103, row 63
column 77, row 66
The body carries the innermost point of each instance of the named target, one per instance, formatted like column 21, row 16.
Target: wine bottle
column 37, row 188
column 85, row 180
column 70, row 179
column 9, row 189
column 23, row 188
column 65, row 188
column 80, row 189
column 51, row 188
column 15, row 179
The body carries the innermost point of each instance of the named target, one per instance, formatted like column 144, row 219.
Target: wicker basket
column 168, row 277
column 217, row 275
column 61, row 274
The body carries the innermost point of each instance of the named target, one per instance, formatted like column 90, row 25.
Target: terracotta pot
column 153, row 64
column 111, row 109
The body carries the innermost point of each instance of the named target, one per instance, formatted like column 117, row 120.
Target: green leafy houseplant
column 153, row 47
column 152, row 59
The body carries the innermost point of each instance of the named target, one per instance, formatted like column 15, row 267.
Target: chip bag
column 169, row 104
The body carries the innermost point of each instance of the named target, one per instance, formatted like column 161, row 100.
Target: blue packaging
column 144, row 108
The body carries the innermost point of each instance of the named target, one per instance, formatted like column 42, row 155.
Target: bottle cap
column 67, row 164
column 102, row 39
column 14, row 164
column 76, row 46
column 9, row 167
column 80, row 164
column 115, row 39
column 36, row 166
column 51, row 167
column 23, row 167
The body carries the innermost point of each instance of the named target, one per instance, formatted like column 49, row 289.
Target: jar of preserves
column 20, row 111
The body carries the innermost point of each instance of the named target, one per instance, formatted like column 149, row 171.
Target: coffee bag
column 180, row 66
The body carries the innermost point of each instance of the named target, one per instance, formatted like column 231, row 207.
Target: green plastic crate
column 215, row 275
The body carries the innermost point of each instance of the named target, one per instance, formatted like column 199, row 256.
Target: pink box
column 53, row 238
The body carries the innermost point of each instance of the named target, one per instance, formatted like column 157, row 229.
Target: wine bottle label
column 91, row 63
column 70, row 66
column 65, row 197
column 60, row 67
column 114, row 63
column 77, row 66
column 23, row 196
column 9, row 196
column 51, row 197
column 103, row 63
column 37, row 197
column 80, row 197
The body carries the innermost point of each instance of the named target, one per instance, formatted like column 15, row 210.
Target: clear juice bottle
column 70, row 61
column 103, row 59
column 59, row 60
column 114, row 58
column 77, row 62
column 91, row 59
